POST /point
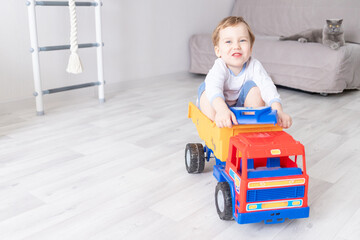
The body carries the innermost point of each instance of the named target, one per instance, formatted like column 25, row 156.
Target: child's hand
column 284, row 120
column 225, row 118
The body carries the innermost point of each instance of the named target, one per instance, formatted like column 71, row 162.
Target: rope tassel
column 74, row 65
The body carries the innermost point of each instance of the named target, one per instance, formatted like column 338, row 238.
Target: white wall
column 143, row 38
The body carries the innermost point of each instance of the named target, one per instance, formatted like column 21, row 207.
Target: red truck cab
column 264, row 179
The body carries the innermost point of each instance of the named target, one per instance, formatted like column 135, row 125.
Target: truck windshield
column 273, row 167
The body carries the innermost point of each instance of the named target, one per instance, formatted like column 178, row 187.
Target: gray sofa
column 310, row 67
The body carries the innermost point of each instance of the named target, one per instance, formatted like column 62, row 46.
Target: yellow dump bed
column 217, row 139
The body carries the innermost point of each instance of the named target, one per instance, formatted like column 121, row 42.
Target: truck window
column 234, row 156
column 298, row 160
column 274, row 167
column 250, row 165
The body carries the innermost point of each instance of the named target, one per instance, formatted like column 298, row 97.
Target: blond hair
column 230, row 22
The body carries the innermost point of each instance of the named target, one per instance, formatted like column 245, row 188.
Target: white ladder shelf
column 35, row 50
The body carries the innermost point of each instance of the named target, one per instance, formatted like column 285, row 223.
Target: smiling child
column 237, row 79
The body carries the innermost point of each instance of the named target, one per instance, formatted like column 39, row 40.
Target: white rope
column 74, row 65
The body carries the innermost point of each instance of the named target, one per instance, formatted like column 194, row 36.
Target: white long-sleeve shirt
column 221, row 82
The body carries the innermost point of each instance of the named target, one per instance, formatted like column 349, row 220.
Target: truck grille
column 275, row 193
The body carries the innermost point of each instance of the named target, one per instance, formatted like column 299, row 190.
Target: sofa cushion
column 309, row 66
column 286, row 17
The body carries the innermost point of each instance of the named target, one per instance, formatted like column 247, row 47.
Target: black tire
column 194, row 158
column 223, row 201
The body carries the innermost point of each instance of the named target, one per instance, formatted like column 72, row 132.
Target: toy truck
column 260, row 169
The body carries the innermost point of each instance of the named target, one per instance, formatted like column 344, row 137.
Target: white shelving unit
column 36, row 49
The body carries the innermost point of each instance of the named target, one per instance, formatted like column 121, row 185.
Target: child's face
column 234, row 47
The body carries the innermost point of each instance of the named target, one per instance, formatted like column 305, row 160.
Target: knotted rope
column 74, row 65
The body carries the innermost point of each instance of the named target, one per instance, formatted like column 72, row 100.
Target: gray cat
column 332, row 35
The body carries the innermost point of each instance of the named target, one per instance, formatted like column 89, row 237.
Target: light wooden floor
column 116, row 171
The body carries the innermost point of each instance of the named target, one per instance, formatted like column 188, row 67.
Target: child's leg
column 206, row 107
column 203, row 103
column 250, row 96
column 253, row 99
